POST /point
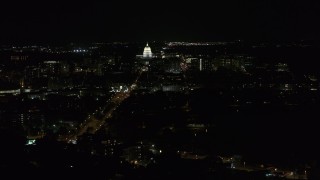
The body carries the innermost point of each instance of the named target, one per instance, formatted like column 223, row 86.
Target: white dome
column 147, row 53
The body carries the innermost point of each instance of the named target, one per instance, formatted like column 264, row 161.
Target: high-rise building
column 19, row 58
column 50, row 68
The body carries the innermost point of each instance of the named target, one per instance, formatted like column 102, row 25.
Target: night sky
column 65, row 21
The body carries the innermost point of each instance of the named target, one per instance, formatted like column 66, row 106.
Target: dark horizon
column 158, row 21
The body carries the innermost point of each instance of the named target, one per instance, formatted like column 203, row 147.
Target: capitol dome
column 147, row 52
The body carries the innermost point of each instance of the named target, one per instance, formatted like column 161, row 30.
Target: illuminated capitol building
column 147, row 53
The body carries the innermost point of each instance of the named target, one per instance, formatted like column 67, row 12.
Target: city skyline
column 160, row 89
column 134, row 106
